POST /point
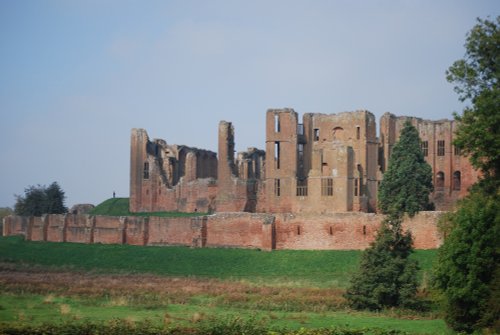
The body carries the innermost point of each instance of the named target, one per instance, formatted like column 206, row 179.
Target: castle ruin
column 325, row 164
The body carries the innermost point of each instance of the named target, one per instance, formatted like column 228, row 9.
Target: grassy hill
column 120, row 206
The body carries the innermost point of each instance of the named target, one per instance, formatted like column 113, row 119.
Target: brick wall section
column 136, row 230
column 170, row 231
column 38, row 228
column 339, row 231
column 56, row 227
column 242, row 230
column 110, row 229
column 80, row 228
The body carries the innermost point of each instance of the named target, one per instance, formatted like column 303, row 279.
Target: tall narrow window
column 356, row 187
column 316, row 134
column 457, row 151
column 440, row 148
column 327, row 186
column 424, row 145
column 300, row 151
column 277, row 154
column 277, row 187
column 456, row 180
column 145, row 174
column 277, row 126
column 440, row 179
column 358, row 133
column 302, row 187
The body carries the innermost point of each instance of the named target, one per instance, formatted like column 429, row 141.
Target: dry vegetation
column 154, row 291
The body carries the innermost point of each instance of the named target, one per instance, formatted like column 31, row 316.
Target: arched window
column 337, row 133
column 456, row 180
column 440, row 179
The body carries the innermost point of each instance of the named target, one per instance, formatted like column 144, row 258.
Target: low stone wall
column 340, row 231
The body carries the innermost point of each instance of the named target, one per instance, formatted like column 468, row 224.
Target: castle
column 328, row 163
column 314, row 187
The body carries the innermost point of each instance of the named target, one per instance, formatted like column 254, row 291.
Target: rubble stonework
column 327, row 163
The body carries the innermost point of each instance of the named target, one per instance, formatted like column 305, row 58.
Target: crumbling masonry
column 328, row 163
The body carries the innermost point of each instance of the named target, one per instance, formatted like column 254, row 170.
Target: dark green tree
column 55, row 199
column 408, row 179
column 476, row 79
column 467, row 271
column 387, row 276
column 38, row 200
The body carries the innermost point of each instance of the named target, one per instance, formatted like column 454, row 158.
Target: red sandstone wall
column 243, row 230
column 137, row 230
column 338, row 231
column 80, row 228
column 170, row 231
column 56, row 228
column 109, row 229
column 343, row 231
column 16, row 225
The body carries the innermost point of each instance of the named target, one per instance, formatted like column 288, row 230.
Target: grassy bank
column 282, row 267
column 120, row 207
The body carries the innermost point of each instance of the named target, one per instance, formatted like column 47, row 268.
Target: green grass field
column 120, row 207
column 281, row 267
column 69, row 282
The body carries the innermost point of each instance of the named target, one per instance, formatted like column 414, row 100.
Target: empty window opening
column 440, row 151
column 356, row 190
column 337, row 133
column 300, row 150
column 358, row 132
column 456, row 180
column 277, row 154
column 364, row 230
column 331, row 230
column 146, row 171
column 457, row 151
column 440, row 179
column 277, row 126
column 327, row 186
column 316, row 134
column 298, row 230
column 300, row 129
column 424, row 146
column 302, row 187
column 277, row 187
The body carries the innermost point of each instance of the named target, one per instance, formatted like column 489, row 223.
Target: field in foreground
column 62, row 282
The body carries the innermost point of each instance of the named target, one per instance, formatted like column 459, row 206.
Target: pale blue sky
column 76, row 76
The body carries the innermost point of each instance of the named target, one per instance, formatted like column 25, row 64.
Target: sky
column 77, row 76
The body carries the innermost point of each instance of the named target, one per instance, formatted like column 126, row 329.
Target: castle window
column 327, row 187
column 358, row 132
column 440, row 179
column 440, row 148
column 300, row 129
column 146, row 171
column 331, row 230
column 364, row 230
column 457, row 151
column 277, row 187
column 302, row 187
column 298, row 230
column 316, row 134
column 300, row 150
column 277, row 126
column 456, row 180
column 277, row 154
column 356, row 190
column 424, row 145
